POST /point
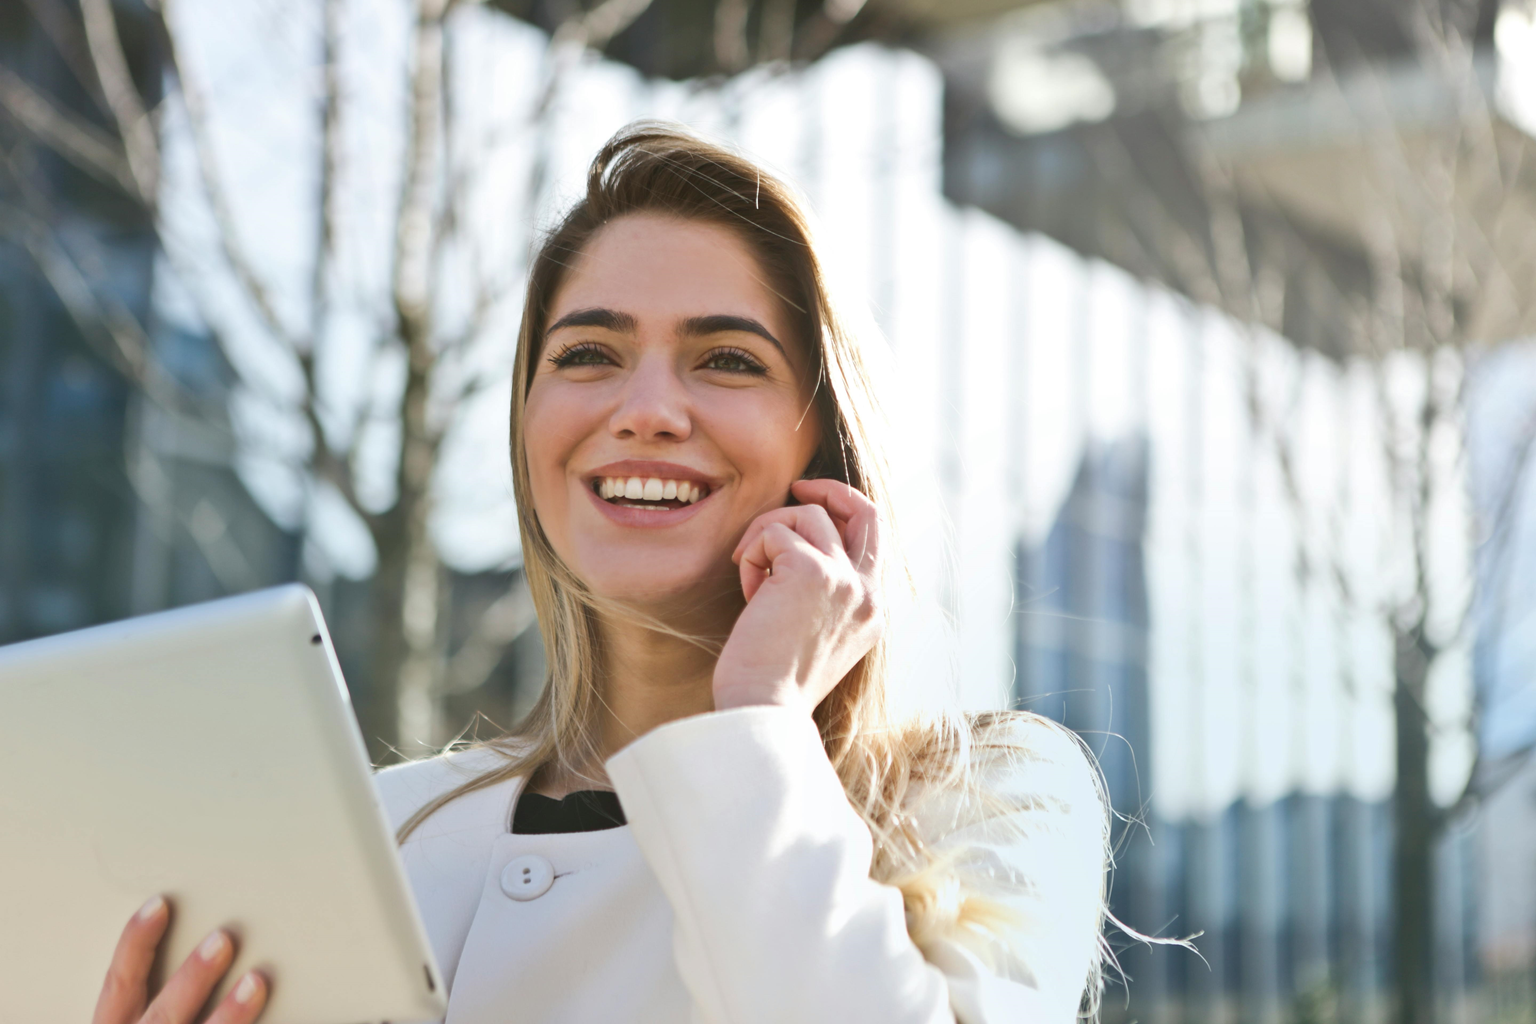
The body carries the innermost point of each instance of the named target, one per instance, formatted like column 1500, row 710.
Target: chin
column 675, row 588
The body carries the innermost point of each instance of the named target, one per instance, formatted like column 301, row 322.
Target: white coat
column 739, row 891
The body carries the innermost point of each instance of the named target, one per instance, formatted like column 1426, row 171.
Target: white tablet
column 209, row 754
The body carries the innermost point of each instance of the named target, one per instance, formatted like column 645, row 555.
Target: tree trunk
column 409, row 643
column 1413, row 842
column 379, row 714
column 407, row 595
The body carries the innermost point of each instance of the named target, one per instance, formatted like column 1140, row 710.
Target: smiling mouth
column 655, row 494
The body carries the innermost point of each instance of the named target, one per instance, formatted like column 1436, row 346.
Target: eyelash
column 752, row 367
column 572, row 355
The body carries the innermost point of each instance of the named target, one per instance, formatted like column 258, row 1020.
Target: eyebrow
column 720, row 323
column 694, row 326
column 610, row 319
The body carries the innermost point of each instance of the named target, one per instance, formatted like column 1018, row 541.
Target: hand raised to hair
column 811, row 576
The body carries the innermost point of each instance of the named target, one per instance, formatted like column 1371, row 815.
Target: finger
column 184, row 995
column 842, row 502
column 810, row 521
column 756, row 560
column 772, row 543
column 126, row 988
column 244, row 1002
column 753, row 529
column 858, row 518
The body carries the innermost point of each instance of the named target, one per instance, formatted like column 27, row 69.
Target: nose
column 654, row 405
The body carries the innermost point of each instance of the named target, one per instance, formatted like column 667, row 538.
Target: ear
column 825, row 467
column 816, row 469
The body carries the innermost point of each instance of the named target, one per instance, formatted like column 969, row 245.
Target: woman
column 713, row 813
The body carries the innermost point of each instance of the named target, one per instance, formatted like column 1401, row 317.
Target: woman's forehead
column 653, row 267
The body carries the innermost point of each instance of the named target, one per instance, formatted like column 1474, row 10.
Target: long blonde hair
column 882, row 758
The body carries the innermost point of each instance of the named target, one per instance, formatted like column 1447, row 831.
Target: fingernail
column 246, row 990
column 150, row 909
column 213, row 946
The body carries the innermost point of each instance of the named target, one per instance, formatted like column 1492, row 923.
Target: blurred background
column 1214, row 382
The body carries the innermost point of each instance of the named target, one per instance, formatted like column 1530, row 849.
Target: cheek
column 551, row 430
column 769, row 440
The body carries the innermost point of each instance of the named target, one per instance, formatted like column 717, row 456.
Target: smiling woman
column 663, row 366
column 713, row 812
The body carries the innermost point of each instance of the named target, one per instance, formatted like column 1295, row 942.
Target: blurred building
column 1088, row 122
column 121, row 486
column 66, row 519
column 1100, row 524
column 114, row 503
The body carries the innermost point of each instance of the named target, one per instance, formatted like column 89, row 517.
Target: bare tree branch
column 205, row 524
column 330, row 160
column 74, row 139
column 95, row 315
column 122, row 95
column 1485, row 779
column 329, row 465
column 412, row 277
column 1176, row 249
column 597, row 27
column 451, row 218
column 58, row 24
column 333, row 468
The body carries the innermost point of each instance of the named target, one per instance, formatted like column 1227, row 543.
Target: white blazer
column 739, row 892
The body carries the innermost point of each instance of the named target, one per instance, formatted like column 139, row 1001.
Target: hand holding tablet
column 208, row 755
column 125, row 994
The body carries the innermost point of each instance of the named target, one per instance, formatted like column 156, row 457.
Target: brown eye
column 734, row 360
column 583, row 354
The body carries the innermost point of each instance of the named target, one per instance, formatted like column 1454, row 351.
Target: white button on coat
column 527, row 877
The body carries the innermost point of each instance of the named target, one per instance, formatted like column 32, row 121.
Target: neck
column 649, row 678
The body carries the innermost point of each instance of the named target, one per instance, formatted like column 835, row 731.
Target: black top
column 586, row 810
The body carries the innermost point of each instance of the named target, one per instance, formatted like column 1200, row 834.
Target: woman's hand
column 125, row 994
column 811, row 575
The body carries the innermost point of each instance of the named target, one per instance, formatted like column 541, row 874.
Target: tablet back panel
column 210, row 754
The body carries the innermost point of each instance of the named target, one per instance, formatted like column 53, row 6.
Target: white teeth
column 653, row 488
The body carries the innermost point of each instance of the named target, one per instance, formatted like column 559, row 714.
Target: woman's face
column 670, row 406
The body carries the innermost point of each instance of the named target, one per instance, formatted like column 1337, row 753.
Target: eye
column 586, row 353
column 734, row 360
